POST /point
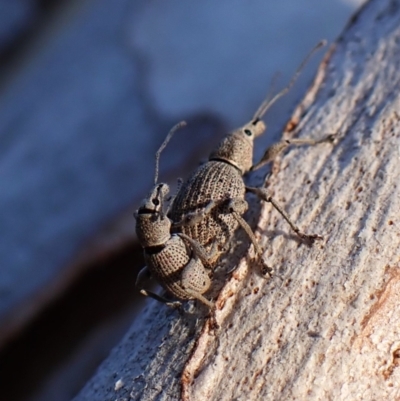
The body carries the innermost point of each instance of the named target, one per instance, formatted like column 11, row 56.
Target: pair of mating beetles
column 183, row 242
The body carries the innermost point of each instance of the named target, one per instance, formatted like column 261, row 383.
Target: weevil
column 210, row 204
column 177, row 262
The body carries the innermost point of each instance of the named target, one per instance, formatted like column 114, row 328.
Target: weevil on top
column 209, row 206
column 179, row 263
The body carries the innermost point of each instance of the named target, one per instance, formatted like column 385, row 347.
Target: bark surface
column 327, row 325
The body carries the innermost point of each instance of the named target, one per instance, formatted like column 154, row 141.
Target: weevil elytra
column 209, row 205
column 177, row 262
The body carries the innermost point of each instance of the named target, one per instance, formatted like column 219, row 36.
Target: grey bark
column 327, row 326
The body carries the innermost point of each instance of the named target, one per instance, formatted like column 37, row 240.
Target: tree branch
column 326, row 326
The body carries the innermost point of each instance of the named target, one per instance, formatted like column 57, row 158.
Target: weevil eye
column 155, row 201
column 248, row 132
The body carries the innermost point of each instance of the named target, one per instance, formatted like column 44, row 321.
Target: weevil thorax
column 237, row 147
column 152, row 224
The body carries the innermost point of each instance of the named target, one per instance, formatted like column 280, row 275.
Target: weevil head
column 152, row 224
column 237, row 147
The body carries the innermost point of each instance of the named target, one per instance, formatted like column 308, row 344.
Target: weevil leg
column 237, row 207
column 277, row 148
column 263, row 194
column 206, row 258
column 195, row 277
column 193, row 218
column 201, row 298
column 142, row 278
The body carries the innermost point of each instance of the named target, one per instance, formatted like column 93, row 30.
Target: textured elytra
column 194, row 277
column 168, row 264
column 217, row 181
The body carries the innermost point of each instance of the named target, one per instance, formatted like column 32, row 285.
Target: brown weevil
column 209, row 206
column 179, row 263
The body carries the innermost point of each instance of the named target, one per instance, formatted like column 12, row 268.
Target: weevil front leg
column 193, row 218
column 277, row 148
column 263, row 194
column 142, row 278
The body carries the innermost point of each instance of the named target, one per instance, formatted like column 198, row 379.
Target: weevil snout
column 259, row 127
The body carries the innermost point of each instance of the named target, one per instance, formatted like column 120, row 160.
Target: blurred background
column 88, row 91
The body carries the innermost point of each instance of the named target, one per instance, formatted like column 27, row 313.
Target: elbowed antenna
column 164, row 144
column 267, row 103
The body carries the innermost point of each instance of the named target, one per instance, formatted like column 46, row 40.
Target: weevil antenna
column 164, row 144
column 272, row 85
column 267, row 103
column 161, row 200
